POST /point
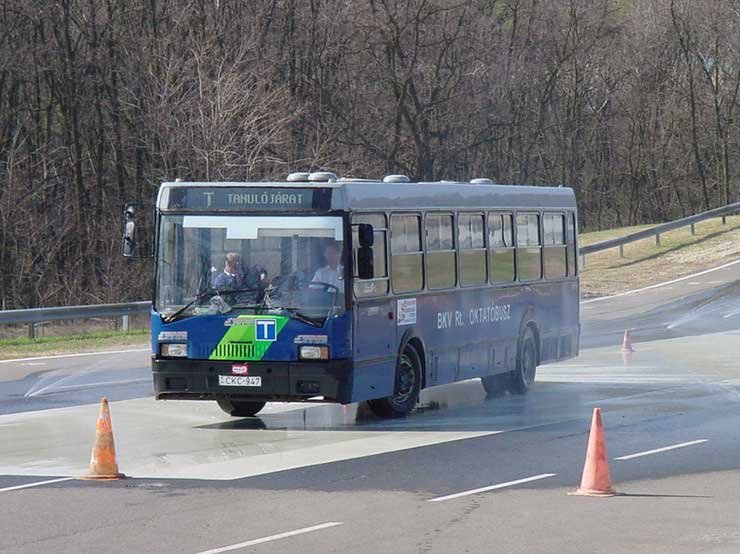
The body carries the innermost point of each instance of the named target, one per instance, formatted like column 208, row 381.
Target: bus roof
column 359, row 195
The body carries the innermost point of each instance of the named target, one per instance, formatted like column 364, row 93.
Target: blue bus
column 346, row 290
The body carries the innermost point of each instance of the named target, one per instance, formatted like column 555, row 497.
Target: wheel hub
column 406, row 380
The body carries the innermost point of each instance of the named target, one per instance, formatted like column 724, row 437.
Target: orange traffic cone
column 596, row 480
column 103, row 463
column 627, row 342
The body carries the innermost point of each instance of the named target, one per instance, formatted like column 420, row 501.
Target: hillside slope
column 644, row 263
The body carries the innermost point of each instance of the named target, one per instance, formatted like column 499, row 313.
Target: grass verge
column 644, row 263
column 66, row 344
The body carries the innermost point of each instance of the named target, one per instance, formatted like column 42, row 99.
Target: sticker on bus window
column 406, row 309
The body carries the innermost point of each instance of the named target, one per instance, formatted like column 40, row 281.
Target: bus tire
column 408, row 385
column 495, row 385
column 240, row 408
column 526, row 364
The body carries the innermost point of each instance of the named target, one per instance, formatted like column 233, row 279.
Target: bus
column 344, row 290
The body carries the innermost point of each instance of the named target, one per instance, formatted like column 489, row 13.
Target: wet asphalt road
column 682, row 385
column 42, row 384
column 695, row 305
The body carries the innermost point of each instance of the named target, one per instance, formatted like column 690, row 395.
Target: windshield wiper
column 267, row 304
column 294, row 313
column 210, row 293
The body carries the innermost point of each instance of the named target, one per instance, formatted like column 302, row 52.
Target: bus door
column 374, row 344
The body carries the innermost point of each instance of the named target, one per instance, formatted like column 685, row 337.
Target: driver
column 333, row 272
column 234, row 276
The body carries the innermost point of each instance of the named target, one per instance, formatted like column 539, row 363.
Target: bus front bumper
column 184, row 379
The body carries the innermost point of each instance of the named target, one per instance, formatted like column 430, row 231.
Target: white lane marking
column 351, row 445
column 733, row 313
column 664, row 390
column 20, row 417
column 273, row 538
column 616, row 378
column 664, row 449
column 75, row 355
column 634, row 291
column 51, row 389
column 37, row 484
column 493, row 487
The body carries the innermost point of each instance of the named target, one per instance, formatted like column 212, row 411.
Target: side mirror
column 137, row 231
column 365, row 264
column 129, row 231
column 365, row 234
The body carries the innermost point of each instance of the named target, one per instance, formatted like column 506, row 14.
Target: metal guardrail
column 32, row 316
column 658, row 230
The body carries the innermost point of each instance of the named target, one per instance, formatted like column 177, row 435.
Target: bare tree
column 633, row 104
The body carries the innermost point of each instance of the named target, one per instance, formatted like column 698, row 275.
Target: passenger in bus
column 235, row 276
column 333, row 272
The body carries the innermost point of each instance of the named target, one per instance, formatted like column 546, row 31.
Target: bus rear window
column 571, row 242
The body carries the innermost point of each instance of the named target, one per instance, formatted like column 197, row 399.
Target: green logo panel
column 240, row 343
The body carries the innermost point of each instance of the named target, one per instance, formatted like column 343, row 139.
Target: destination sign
column 250, row 198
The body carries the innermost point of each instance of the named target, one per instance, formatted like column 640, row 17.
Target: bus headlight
column 174, row 350
column 314, row 353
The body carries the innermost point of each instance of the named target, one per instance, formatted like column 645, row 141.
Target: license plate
column 240, row 380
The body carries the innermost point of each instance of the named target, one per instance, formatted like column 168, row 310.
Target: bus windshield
column 226, row 264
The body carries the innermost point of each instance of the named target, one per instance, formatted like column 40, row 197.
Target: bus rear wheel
column 495, row 385
column 240, row 408
column 408, row 385
column 526, row 365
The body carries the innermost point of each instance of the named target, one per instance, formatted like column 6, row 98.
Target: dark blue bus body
column 469, row 281
column 456, row 343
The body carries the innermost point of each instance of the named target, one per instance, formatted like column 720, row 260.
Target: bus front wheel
column 526, row 365
column 240, row 408
column 408, row 385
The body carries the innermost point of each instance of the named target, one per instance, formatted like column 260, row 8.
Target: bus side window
column 501, row 244
column 472, row 249
column 555, row 252
column 570, row 239
column 528, row 247
column 377, row 286
column 441, row 272
column 406, row 254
